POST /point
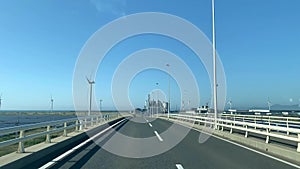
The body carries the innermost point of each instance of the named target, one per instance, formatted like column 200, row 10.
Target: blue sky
column 257, row 41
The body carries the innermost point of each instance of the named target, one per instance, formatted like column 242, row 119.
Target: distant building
column 156, row 106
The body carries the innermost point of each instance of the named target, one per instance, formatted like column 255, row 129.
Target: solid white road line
column 52, row 162
column 150, row 124
column 158, row 136
column 179, row 166
column 250, row 149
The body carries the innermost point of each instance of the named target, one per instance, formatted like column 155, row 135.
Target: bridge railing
column 51, row 127
column 283, row 128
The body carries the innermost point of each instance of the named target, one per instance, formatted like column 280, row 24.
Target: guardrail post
column 246, row 134
column 231, row 129
column 222, row 126
column 80, row 125
column 298, row 148
column 268, row 137
column 76, row 125
column 255, row 122
column 21, row 144
column 65, row 130
column 97, row 120
column 85, row 122
column 234, row 120
column 287, row 126
column 92, row 121
column 48, row 137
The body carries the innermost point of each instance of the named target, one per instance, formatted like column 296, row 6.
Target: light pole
column 168, row 65
column 214, row 64
column 152, row 105
column 157, row 104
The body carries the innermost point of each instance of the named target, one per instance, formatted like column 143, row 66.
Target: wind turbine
column 100, row 106
column 51, row 100
column 269, row 103
column 91, row 90
column 0, row 100
column 230, row 104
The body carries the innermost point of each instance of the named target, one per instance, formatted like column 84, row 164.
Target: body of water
column 15, row 119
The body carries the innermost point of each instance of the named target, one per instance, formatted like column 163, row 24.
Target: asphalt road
column 188, row 154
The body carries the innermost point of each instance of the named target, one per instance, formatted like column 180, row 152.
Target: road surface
column 188, row 154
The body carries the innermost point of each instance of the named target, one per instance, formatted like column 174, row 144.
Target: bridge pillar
column 48, row 137
column 21, row 144
column 268, row 137
column 65, row 129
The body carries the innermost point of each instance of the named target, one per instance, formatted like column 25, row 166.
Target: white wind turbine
column 51, row 100
column 269, row 103
column 230, row 104
column 91, row 82
column 0, row 100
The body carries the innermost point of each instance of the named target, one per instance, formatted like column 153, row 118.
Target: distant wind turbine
column 269, row 103
column 230, row 104
column 100, row 106
column 0, row 100
column 51, row 100
column 91, row 82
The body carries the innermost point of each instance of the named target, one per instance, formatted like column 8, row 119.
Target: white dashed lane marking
column 179, row 166
column 158, row 136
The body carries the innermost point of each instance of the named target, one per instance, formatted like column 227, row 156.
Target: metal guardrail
column 52, row 127
column 284, row 128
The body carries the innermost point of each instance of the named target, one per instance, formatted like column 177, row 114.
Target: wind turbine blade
column 87, row 79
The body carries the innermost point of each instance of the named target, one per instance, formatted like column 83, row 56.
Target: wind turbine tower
column 91, row 91
column 0, row 100
column 100, row 106
column 230, row 104
column 269, row 103
column 51, row 100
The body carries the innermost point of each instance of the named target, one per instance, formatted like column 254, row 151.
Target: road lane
column 189, row 153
